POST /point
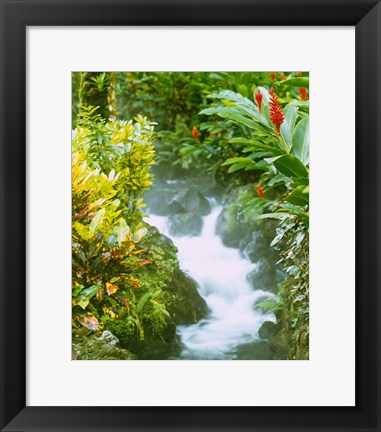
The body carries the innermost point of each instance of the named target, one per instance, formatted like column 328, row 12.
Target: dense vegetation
column 246, row 135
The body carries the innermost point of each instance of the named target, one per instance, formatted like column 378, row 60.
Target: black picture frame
column 16, row 15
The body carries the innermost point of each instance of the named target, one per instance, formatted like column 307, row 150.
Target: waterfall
column 221, row 274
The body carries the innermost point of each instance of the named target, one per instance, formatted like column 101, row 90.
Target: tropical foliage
column 248, row 130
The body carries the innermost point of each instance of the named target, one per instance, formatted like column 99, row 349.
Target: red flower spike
column 299, row 74
column 231, row 153
column 283, row 76
column 276, row 114
column 273, row 76
column 303, row 93
column 260, row 191
column 195, row 134
column 259, row 98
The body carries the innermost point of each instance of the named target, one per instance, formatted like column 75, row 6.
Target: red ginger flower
column 273, row 76
column 303, row 93
column 259, row 98
column 299, row 74
column 195, row 134
column 283, row 76
column 260, row 191
column 276, row 114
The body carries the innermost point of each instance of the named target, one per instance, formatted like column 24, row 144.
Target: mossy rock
column 104, row 347
column 264, row 276
column 190, row 200
column 280, row 345
column 189, row 307
column 267, row 330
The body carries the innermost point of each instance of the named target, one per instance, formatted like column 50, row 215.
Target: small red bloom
column 259, row 98
column 273, row 76
column 195, row 134
column 303, row 93
column 231, row 153
column 283, row 76
column 299, row 74
column 276, row 114
column 260, row 191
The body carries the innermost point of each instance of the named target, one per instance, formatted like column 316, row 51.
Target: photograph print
column 190, row 215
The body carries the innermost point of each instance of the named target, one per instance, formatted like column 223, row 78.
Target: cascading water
column 221, row 275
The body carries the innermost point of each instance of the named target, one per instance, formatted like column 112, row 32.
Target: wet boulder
column 267, row 330
column 189, row 201
column 157, row 201
column 258, row 247
column 257, row 350
column 188, row 307
column 264, row 276
column 185, row 224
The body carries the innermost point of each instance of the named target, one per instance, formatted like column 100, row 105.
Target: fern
column 270, row 305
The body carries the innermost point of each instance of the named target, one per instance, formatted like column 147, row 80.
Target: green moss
column 100, row 349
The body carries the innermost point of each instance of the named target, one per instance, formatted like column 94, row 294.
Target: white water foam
column 221, row 274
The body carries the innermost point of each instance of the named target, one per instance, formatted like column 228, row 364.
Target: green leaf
column 287, row 127
column 139, row 234
column 291, row 113
column 295, row 210
column 290, row 166
column 121, row 230
column 82, row 230
column 301, row 181
column 296, row 82
column 301, row 141
column 77, row 289
column 217, row 110
column 238, row 166
column 97, row 220
column 273, row 216
column 299, row 196
column 85, row 296
column 234, row 160
column 240, row 119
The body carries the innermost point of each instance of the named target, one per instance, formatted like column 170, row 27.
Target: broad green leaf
column 287, row 127
column 296, row 82
column 97, row 220
column 77, row 289
column 234, row 160
column 240, row 119
column 85, row 296
column 301, row 141
column 121, row 230
column 301, row 181
column 299, row 196
column 232, row 97
column 273, row 216
column 290, row 166
column 218, row 110
column 291, row 113
column 238, row 166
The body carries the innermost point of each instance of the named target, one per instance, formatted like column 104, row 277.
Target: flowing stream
column 221, row 274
